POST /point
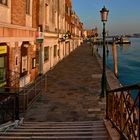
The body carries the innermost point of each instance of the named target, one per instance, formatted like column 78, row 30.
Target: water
column 128, row 56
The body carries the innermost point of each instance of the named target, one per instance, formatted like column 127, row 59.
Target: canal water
column 128, row 56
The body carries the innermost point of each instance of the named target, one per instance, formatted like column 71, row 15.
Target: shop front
column 3, row 64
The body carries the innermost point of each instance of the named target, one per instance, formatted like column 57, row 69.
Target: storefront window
column 2, row 71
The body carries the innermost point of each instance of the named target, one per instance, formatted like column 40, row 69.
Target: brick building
column 92, row 32
column 18, row 24
column 34, row 36
column 68, row 11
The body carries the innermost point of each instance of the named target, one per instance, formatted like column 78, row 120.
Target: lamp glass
column 104, row 14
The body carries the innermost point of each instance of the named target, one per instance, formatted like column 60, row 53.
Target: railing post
column 113, row 107
column 35, row 87
column 107, row 105
column 17, row 107
column 42, row 89
column 45, row 84
column 121, row 111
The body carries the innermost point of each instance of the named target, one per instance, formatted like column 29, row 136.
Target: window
column 4, row 2
column 3, row 64
column 33, row 63
column 55, row 50
column 46, row 13
column 46, row 53
column 53, row 15
column 56, row 19
column 2, row 70
column 16, row 60
column 66, row 8
column 28, row 7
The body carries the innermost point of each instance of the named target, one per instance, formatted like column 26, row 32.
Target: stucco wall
column 5, row 13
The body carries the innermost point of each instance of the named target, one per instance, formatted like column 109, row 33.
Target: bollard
column 114, row 52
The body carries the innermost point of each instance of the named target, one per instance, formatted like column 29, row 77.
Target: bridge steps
column 92, row 130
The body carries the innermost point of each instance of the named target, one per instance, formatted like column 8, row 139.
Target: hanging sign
column 39, row 37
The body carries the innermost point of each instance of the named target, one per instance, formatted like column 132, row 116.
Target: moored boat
column 123, row 40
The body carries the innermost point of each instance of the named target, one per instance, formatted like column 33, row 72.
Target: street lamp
column 104, row 15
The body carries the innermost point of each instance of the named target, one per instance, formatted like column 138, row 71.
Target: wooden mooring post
column 114, row 52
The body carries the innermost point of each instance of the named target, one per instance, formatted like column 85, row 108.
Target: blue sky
column 124, row 15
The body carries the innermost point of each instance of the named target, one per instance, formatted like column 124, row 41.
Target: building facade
column 68, row 10
column 52, row 22
column 34, row 36
column 76, row 29
column 18, row 24
column 61, row 33
column 92, row 32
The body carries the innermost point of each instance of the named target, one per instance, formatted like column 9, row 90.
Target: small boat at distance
column 122, row 40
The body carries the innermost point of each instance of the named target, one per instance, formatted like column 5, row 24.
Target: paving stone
column 73, row 88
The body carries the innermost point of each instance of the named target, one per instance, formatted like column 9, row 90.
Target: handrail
column 130, row 87
column 14, row 99
column 123, row 112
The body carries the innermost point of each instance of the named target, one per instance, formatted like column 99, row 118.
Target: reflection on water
column 128, row 56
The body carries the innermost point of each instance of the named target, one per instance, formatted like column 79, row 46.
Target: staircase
column 87, row 130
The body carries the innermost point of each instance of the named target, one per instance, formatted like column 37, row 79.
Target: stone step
column 59, row 127
column 66, row 123
column 90, row 110
column 89, row 133
column 57, row 130
column 64, row 129
column 54, row 138
column 100, row 116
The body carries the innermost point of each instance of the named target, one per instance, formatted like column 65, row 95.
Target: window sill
column 28, row 15
column 3, row 5
column 33, row 68
column 47, row 60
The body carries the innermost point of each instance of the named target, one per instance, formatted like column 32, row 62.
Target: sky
column 123, row 18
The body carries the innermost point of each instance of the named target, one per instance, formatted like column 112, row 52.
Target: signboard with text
column 3, row 49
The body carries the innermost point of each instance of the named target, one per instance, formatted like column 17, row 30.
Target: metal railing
column 9, row 97
column 30, row 92
column 14, row 100
column 9, row 110
column 123, row 110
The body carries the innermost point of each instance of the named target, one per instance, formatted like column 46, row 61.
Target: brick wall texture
column 35, row 13
column 18, row 12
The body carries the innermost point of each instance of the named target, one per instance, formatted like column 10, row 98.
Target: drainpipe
column 40, row 60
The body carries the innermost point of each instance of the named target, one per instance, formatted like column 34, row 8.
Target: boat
column 122, row 40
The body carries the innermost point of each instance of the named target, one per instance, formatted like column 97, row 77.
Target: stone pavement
column 73, row 89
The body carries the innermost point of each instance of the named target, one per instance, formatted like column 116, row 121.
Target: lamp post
column 104, row 15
